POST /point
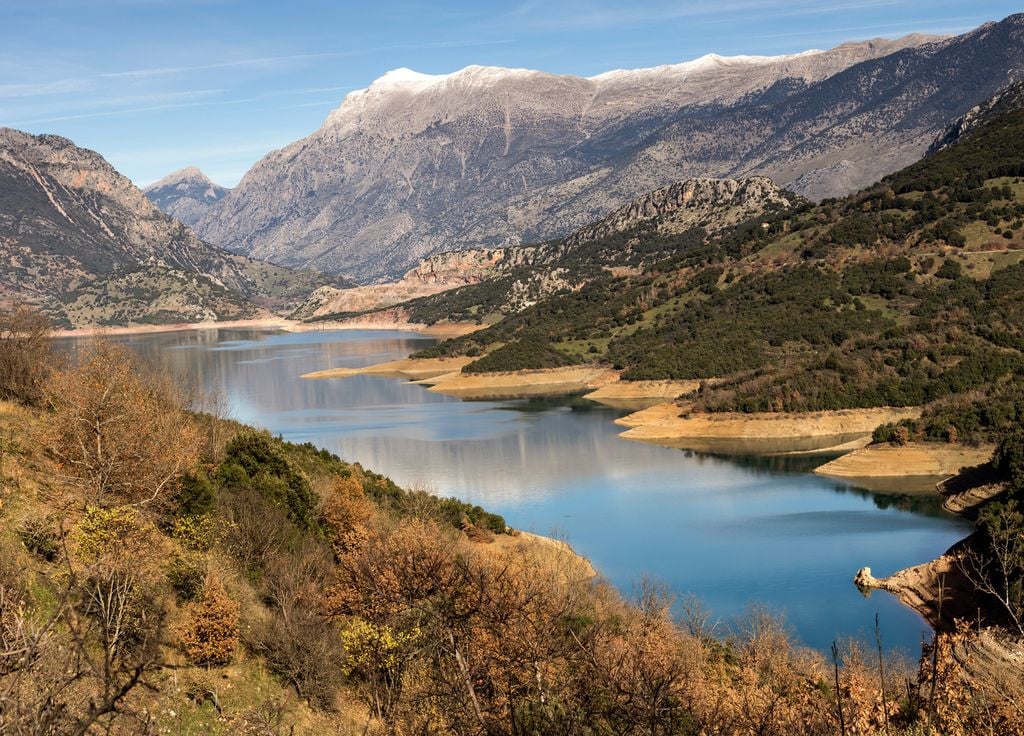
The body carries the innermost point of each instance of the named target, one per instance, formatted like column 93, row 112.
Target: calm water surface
column 736, row 532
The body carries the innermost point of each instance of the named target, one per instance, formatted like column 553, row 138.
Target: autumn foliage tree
column 118, row 431
column 210, row 635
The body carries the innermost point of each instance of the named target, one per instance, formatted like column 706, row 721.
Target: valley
column 518, row 395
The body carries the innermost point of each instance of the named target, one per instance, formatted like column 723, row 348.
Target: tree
column 997, row 569
column 26, row 357
column 117, row 431
column 210, row 636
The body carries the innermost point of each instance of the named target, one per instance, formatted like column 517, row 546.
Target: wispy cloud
column 58, row 87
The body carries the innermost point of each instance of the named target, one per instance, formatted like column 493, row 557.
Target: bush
column 251, row 458
column 950, row 269
column 1008, row 460
column 187, row 574
column 40, row 538
column 26, row 358
column 210, row 635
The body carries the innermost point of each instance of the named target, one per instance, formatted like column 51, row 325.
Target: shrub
column 196, row 495
column 119, row 432
column 187, row 574
column 26, row 357
column 950, row 269
column 39, row 538
column 251, row 458
column 197, row 533
column 210, row 635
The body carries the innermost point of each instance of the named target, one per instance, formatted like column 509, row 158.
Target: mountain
column 185, row 195
column 80, row 240
column 1006, row 100
column 509, row 279
column 908, row 293
column 488, row 157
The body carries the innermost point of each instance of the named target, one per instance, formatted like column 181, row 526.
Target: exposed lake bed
column 735, row 531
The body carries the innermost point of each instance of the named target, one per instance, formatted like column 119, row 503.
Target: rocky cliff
column 80, row 240
column 486, row 157
column 185, row 195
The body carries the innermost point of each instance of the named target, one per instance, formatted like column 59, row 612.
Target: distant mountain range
column 487, row 157
column 185, row 194
column 79, row 240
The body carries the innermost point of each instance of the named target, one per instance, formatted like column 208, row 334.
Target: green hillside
column 910, row 292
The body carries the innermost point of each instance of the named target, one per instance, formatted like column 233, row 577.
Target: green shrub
column 253, row 459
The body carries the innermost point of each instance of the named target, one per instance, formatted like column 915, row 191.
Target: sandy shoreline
column 274, row 323
column 759, row 433
column 444, row 375
column 927, row 462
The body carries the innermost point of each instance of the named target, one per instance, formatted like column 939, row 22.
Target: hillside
column 488, row 157
column 486, row 283
column 82, row 242
column 907, row 293
column 185, row 574
column 185, row 195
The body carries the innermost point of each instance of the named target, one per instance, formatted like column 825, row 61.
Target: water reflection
column 735, row 530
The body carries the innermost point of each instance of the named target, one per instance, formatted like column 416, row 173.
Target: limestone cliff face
column 488, row 158
column 711, row 203
column 79, row 239
column 185, row 195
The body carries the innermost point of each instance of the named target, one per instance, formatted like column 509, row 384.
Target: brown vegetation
column 336, row 602
column 124, row 437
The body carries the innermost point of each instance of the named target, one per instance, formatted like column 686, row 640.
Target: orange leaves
column 117, row 432
column 210, row 634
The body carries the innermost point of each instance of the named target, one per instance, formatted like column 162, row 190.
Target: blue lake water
column 736, row 532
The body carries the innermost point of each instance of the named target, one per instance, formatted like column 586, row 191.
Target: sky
column 157, row 85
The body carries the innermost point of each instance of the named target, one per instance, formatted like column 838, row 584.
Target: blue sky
column 155, row 85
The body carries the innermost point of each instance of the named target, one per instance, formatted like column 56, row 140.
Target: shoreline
column 759, row 433
column 271, row 323
column 655, row 417
column 884, row 466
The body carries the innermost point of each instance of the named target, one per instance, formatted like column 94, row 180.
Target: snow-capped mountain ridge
column 488, row 157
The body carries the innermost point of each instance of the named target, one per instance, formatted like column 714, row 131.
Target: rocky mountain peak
column 486, row 157
column 185, row 194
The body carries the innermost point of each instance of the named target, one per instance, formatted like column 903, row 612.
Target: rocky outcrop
column 709, row 203
column 1008, row 99
column 80, row 240
column 185, row 195
column 486, row 158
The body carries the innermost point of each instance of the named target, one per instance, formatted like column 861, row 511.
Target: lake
column 736, row 532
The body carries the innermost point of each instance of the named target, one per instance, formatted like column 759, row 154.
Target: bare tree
column 997, row 569
column 75, row 667
column 118, row 431
column 26, row 358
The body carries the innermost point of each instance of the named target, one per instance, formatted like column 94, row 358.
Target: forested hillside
column 908, row 293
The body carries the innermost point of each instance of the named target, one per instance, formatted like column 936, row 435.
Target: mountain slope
column 185, row 195
column 78, row 239
column 503, row 280
column 908, row 293
column 485, row 157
